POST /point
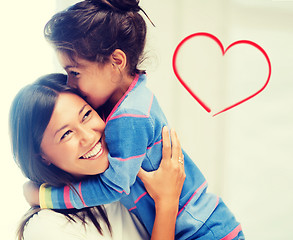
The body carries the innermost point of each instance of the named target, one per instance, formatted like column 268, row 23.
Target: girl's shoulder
column 137, row 99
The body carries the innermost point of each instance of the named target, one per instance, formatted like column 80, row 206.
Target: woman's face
column 97, row 82
column 74, row 138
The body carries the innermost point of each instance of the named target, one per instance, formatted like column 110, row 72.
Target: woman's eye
column 65, row 134
column 88, row 113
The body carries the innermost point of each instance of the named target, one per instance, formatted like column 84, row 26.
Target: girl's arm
column 114, row 183
column 127, row 139
column 127, row 147
column 164, row 186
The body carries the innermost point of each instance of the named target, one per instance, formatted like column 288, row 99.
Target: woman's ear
column 119, row 59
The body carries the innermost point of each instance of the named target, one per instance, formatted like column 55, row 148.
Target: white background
column 246, row 153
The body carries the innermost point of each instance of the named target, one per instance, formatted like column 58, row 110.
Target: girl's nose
column 71, row 83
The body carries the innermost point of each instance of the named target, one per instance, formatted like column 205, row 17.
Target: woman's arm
column 164, row 186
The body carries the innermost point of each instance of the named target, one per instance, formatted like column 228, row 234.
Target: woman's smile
column 95, row 152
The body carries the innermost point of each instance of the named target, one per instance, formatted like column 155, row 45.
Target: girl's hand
column 165, row 184
column 31, row 193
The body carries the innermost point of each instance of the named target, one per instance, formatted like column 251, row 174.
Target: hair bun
column 118, row 5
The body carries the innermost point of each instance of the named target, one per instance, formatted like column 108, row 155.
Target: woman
column 49, row 111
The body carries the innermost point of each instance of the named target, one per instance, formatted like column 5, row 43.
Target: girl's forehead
column 73, row 62
column 65, row 59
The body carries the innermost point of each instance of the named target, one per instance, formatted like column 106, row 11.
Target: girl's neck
column 126, row 81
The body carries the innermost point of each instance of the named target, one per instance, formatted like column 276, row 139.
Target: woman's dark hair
column 93, row 29
column 30, row 114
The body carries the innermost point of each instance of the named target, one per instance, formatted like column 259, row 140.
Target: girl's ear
column 119, row 59
column 44, row 160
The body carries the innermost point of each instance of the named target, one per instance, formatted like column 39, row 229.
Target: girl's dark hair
column 93, row 29
column 30, row 114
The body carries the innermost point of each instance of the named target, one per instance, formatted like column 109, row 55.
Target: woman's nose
column 87, row 136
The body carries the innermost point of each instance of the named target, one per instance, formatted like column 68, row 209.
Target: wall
column 246, row 153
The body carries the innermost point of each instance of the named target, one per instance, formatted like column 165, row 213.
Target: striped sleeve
column 45, row 196
column 90, row 192
column 127, row 139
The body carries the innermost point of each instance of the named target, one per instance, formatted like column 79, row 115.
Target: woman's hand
column 164, row 185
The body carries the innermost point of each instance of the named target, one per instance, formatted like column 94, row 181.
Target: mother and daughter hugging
column 96, row 138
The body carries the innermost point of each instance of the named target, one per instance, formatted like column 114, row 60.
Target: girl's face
column 74, row 138
column 97, row 82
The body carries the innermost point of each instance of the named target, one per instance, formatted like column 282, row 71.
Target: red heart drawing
column 204, row 34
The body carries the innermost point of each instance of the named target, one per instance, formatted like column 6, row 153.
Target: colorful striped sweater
column 133, row 136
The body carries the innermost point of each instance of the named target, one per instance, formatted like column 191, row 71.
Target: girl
column 100, row 44
column 41, row 115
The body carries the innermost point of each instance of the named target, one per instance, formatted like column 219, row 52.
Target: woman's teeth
column 94, row 151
